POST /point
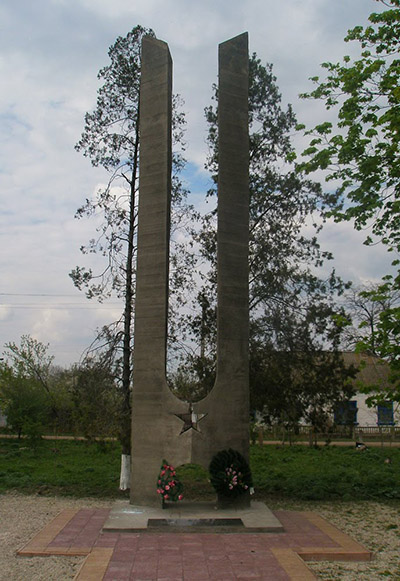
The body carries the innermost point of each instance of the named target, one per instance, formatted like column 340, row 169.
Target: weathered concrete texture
column 155, row 428
column 227, row 406
column 191, row 518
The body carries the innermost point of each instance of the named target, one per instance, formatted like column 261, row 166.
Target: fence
column 364, row 434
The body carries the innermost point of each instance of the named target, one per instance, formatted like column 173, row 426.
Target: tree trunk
column 125, row 435
column 125, row 477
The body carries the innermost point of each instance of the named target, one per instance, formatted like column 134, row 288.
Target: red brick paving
column 194, row 556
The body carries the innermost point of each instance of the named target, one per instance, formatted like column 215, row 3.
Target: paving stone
column 195, row 556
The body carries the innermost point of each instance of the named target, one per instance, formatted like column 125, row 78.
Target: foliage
column 24, row 403
column 193, row 378
column 30, row 389
column 372, row 330
column 39, row 398
column 365, row 304
column 361, row 154
column 230, row 474
column 291, row 307
column 282, row 201
column 169, row 487
column 30, row 359
column 196, row 482
column 111, row 139
column 385, row 342
column 96, row 399
column 298, row 381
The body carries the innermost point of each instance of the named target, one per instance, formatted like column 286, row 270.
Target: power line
column 109, row 305
column 35, row 295
column 59, row 308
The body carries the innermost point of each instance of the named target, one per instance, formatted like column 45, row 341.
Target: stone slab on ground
column 195, row 517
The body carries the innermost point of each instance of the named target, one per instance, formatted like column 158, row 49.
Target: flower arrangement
column 168, row 485
column 230, row 474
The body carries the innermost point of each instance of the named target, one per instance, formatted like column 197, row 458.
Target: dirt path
column 21, row 517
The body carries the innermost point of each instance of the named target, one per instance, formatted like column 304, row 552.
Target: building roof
column 372, row 370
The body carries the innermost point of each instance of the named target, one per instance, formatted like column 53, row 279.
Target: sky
column 50, row 54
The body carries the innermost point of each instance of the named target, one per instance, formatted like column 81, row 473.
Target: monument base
column 240, row 502
column 192, row 517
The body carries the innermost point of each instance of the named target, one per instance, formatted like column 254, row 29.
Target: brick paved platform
column 194, row 556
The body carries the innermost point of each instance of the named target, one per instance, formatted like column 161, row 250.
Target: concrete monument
column 162, row 425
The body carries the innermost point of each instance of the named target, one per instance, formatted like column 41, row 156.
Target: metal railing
column 363, row 434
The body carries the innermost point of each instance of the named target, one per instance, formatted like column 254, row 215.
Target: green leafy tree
column 96, row 400
column 293, row 376
column 291, row 307
column 360, row 155
column 31, row 359
column 362, row 151
column 380, row 336
column 111, row 140
column 24, row 403
column 28, row 389
column 365, row 305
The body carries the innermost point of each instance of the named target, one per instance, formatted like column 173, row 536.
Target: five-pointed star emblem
column 190, row 420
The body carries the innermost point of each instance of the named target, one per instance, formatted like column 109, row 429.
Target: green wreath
column 230, row 474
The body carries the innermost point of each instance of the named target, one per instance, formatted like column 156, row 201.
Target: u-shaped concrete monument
column 162, row 425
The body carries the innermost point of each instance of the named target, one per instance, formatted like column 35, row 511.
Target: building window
column 346, row 413
column 385, row 414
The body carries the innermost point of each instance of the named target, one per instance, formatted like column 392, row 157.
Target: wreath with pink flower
column 168, row 485
column 230, row 474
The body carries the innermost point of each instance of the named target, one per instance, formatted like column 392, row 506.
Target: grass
column 195, row 480
column 79, row 468
column 66, row 467
column 326, row 473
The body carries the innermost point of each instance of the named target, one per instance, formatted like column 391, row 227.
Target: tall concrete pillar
column 162, row 425
column 227, row 406
column 155, row 429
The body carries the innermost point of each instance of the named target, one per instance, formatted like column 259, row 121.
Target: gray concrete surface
column 191, row 517
column 157, row 415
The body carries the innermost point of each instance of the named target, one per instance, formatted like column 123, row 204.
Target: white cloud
column 5, row 312
column 50, row 325
column 50, row 53
column 353, row 260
